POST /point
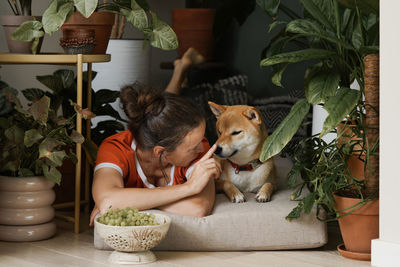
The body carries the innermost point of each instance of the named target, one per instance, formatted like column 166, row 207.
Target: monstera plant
column 159, row 33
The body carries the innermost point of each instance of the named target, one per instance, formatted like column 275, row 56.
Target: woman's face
column 189, row 149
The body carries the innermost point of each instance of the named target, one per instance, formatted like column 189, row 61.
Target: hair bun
column 140, row 103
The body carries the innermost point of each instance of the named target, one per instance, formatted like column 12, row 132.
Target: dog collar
column 247, row 167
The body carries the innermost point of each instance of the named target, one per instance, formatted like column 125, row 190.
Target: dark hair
column 159, row 118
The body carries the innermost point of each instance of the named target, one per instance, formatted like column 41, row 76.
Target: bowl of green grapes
column 132, row 234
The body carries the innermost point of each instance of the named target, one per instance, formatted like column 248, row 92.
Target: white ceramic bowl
column 134, row 238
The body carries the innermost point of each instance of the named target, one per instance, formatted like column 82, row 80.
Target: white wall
column 23, row 76
column 386, row 250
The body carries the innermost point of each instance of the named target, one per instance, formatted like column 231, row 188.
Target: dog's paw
column 262, row 197
column 238, row 198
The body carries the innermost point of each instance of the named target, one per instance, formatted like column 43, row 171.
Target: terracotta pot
column 355, row 162
column 10, row 24
column 194, row 28
column 26, row 213
column 359, row 227
column 100, row 22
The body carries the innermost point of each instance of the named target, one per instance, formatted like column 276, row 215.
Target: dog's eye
column 236, row 132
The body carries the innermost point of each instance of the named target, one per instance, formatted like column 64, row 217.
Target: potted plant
column 22, row 12
column 202, row 23
column 33, row 142
column 61, row 14
column 336, row 35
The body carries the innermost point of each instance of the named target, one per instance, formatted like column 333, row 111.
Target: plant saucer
column 353, row 255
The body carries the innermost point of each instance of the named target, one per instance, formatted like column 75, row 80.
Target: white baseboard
column 385, row 254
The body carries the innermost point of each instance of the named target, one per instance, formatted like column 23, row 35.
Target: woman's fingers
column 209, row 153
column 95, row 211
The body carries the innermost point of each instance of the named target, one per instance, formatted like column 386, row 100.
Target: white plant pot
column 319, row 116
column 129, row 63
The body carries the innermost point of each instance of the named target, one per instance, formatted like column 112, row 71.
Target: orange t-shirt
column 118, row 152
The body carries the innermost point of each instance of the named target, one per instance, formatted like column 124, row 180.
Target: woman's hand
column 93, row 214
column 205, row 169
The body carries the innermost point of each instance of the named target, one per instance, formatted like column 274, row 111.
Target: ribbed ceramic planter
column 26, row 213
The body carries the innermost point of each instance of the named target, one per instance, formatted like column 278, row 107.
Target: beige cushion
column 244, row 226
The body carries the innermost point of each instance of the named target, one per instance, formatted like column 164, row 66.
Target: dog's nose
column 218, row 150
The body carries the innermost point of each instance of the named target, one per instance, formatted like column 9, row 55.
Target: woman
column 163, row 161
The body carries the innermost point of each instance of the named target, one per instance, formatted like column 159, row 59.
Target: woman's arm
column 108, row 189
column 199, row 205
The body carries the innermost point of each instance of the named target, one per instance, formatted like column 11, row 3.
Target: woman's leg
column 190, row 57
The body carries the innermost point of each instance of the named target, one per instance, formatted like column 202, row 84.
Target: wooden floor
column 69, row 249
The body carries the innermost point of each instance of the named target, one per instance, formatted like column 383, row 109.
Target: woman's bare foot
column 191, row 57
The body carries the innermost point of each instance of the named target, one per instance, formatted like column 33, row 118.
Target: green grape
column 129, row 216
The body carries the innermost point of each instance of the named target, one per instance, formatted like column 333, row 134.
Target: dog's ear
column 253, row 114
column 216, row 109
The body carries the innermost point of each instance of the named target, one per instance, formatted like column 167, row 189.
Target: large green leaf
column 136, row 16
column 47, row 146
column 56, row 14
column 366, row 6
column 40, row 110
column 321, row 86
column 33, row 94
column 162, row 35
column 51, row 173
column 338, row 107
column 297, row 56
column 285, row 131
column 31, row 137
column 104, row 96
column 86, row 7
column 274, row 24
column 28, row 31
column 67, row 77
column 77, row 137
column 108, row 110
column 270, row 7
column 277, row 77
column 322, row 12
column 309, row 202
column 15, row 135
column 312, row 28
column 357, row 38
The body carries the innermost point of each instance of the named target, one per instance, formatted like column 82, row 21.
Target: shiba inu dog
column 241, row 134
